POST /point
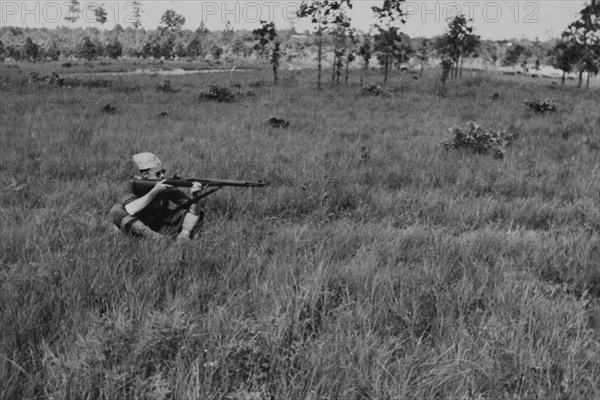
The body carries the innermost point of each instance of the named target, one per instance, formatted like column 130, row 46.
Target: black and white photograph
column 299, row 200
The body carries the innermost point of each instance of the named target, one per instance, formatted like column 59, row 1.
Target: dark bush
column 374, row 90
column 165, row 86
column 479, row 140
column 541, row 105
column 218, row 93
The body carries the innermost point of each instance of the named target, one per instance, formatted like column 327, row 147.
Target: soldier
column 151, row 215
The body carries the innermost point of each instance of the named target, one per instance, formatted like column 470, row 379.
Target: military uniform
column 159, row 217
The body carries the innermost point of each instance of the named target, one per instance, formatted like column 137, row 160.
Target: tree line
column 579, row 46
column 333, row 36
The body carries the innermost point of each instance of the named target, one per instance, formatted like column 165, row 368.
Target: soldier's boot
column 141, row 229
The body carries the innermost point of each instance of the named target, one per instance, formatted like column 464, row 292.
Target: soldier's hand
column 196, row 189
column 161, row 187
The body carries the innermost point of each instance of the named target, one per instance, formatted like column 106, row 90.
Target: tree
column 584, row 37
column 13, row 52
column 171, row 21
column 159, row 45
column 513, row 55
column 388, row 39
column 351, row 51
column 168, row 30
column 152, row 47
column 321, row 12
column 31, row 49
column 446, row 64
column 72, row 17
column 74, row 11
column 52, row 51
column 194, row 48
column 88, row 49
column 118, row 29
column 100, row 17
column 392, row 48
column 180, row 50
column 267, row 45
column 114, row 49
column 264, row 37
column 275, row 57
column 136, row 14
column 227, row 34
column 490, row 52
column 458, row 42
column 2, row 51
column 344, row 40
column 238, row 46
column 422, row 55
column 196, row 45
column 100, row 14
column 365, row 52
column 136, row 20
column 216, row 52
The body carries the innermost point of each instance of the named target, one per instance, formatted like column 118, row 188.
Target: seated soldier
column 153, row 214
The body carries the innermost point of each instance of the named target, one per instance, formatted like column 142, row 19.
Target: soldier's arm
column 193, row 216
column 140, row 203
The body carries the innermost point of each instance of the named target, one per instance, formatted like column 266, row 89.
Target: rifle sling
column 195, row 199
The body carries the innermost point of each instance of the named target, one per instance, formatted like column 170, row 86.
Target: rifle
column 143, row 186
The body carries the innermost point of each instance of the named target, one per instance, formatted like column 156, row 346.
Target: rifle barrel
column 146, row 184
column 214, row 182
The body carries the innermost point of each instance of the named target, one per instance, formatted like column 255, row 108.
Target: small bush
column 165, row 86
column 374, row 90
column 91, row 83
column 479, row 140
column 259, row 83
column 541, row 105
column 218, row 93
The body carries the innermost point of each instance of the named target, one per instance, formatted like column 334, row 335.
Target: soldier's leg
column 190, row 227
column 131, row 225
column 184, row 225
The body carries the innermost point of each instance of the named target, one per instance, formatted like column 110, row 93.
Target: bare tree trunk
column 587, row 82
column 363, row 74
column 421, row 72
column 74, row 43
column 347, row 72
column 563, row 78
column 385, row 67
column 333, row 66
column 319, row 53
column 580, row 77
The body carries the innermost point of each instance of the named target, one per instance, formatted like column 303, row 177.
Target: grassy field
column 376, row 265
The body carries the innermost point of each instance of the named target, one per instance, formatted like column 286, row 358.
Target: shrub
column 541, row 105
column 165, row 86
column 479, row 140
column 373, row 90
column 258, row 83
column 217, row 93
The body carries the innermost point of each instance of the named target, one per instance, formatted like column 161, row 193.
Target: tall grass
column 376, row 265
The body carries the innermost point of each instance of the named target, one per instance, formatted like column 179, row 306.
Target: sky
column 492, row 20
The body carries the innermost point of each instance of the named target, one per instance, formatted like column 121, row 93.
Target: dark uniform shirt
column 159, row 213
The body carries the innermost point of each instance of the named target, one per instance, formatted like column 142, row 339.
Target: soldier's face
column 159, row 174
